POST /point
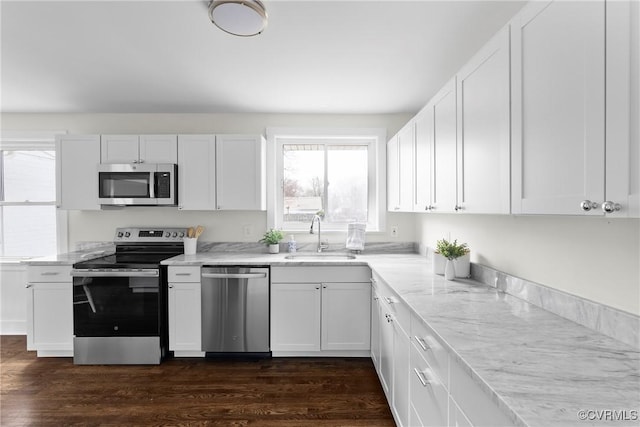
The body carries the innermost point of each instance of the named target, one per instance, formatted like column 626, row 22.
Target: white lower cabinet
column 185, row 327
column 320, row 311
column 50, row 310
column 429, row 395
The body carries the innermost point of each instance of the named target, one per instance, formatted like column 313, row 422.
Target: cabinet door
column 240, row 172
column 295, row 317
column 622, row 112
column 158, row 149
column 429, row 395
column 484, row 129
column 346, row 316
column 196, row 172
column 423, row 159
column 401, row 346
column 386, row 351
column 77, row 159
column 406, row 144
column 185, row 327
column 119, row 149
column 443, row 193
column 393, row 175
column 558, row 107
column 375, row 329
column 50, row 318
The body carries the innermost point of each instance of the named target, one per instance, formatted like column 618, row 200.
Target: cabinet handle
column 428, row 208
column 141, row 161
column 170, row 286
column 587, row 205
column 28, row 285
column 422, row 343
column 425, row 377
column 390, row 300
column 135, row 162
column 50, row 273
column 183, row 274
column 458, row 208
column 317, row 287
column 610, row 207
column 389, row 318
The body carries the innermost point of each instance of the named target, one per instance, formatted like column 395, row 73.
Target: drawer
column 429, row 396
column 426, row 343
column 476, row 404
column 316, row 274
column 396, row 306
column 49, row 273
column 184, row 274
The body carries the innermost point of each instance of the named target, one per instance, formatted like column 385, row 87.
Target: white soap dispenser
column 292, row 245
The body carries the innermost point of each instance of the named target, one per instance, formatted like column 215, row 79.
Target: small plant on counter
column 272, row 237
column 451, row 250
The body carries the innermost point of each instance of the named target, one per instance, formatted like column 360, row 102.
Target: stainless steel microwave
column 141, row 184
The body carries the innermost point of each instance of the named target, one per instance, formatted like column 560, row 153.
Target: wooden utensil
column 199, row 231
column 190, row 232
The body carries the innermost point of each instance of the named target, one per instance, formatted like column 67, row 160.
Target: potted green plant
column 457, row 256
column 272, row 239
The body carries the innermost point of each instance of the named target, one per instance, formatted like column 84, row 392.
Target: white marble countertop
column 542, row 368
column 71, row 258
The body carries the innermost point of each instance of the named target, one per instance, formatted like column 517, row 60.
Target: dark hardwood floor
column 270, row 392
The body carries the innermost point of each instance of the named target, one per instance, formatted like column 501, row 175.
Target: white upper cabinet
column 443, row 186
column 483, row 172
column 197, row 172
column 423, row 161
column 400, row 170
column 77, row 159
column 622, row 184
column 558, row 108
column 240, row 172
column 393, row 175
column 139, row 149
column 221, row 172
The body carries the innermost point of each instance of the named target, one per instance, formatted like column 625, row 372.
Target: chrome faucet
column 321, row 245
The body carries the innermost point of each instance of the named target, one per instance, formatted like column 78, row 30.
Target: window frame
column 376, row 181
column 36, row 141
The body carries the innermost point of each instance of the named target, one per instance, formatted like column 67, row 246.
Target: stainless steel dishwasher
column 235, row 311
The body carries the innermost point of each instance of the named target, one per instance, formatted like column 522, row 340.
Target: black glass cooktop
column 134, row 257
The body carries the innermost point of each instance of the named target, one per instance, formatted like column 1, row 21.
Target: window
column 332, row 174
column 28, row 217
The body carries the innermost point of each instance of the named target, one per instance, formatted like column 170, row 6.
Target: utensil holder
column 190, row 245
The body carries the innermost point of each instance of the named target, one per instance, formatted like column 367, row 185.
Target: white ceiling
column 316, row 56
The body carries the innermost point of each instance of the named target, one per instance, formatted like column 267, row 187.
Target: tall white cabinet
column 77, row 159
column 483, row 162
column 558, row 101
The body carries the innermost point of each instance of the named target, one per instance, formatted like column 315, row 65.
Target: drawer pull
column 50, row 273
column 391, row 300
column 422, row 343
column 183, row 274
column 426, row 378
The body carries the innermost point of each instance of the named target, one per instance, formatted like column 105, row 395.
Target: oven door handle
column 234, row 275
column 147, row 272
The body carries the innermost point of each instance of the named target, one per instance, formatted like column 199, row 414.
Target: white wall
column 595, row 258
column 220, row 226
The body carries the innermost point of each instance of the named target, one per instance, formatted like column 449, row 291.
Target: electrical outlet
column 247, row 230
column 394, row 231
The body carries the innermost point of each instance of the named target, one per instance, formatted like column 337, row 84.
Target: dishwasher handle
column 234, row 275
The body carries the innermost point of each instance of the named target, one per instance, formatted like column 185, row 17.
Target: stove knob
column 120, row 234
column 167, row 234
column 175, row 234
column 182, row 234
column 127, row 234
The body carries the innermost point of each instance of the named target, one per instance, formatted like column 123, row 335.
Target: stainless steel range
column 120, row 300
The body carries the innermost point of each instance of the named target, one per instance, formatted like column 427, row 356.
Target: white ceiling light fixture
column 239, row 17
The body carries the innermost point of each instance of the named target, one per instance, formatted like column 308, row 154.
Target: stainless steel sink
column 320, row 255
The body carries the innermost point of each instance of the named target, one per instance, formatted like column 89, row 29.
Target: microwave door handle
column 153, row 188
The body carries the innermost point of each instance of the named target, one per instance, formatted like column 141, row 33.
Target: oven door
column 111, row 303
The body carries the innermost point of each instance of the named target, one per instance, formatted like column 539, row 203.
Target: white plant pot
column 449, row 270
column 463, row 266
column 274, row 249
column 438, row 263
